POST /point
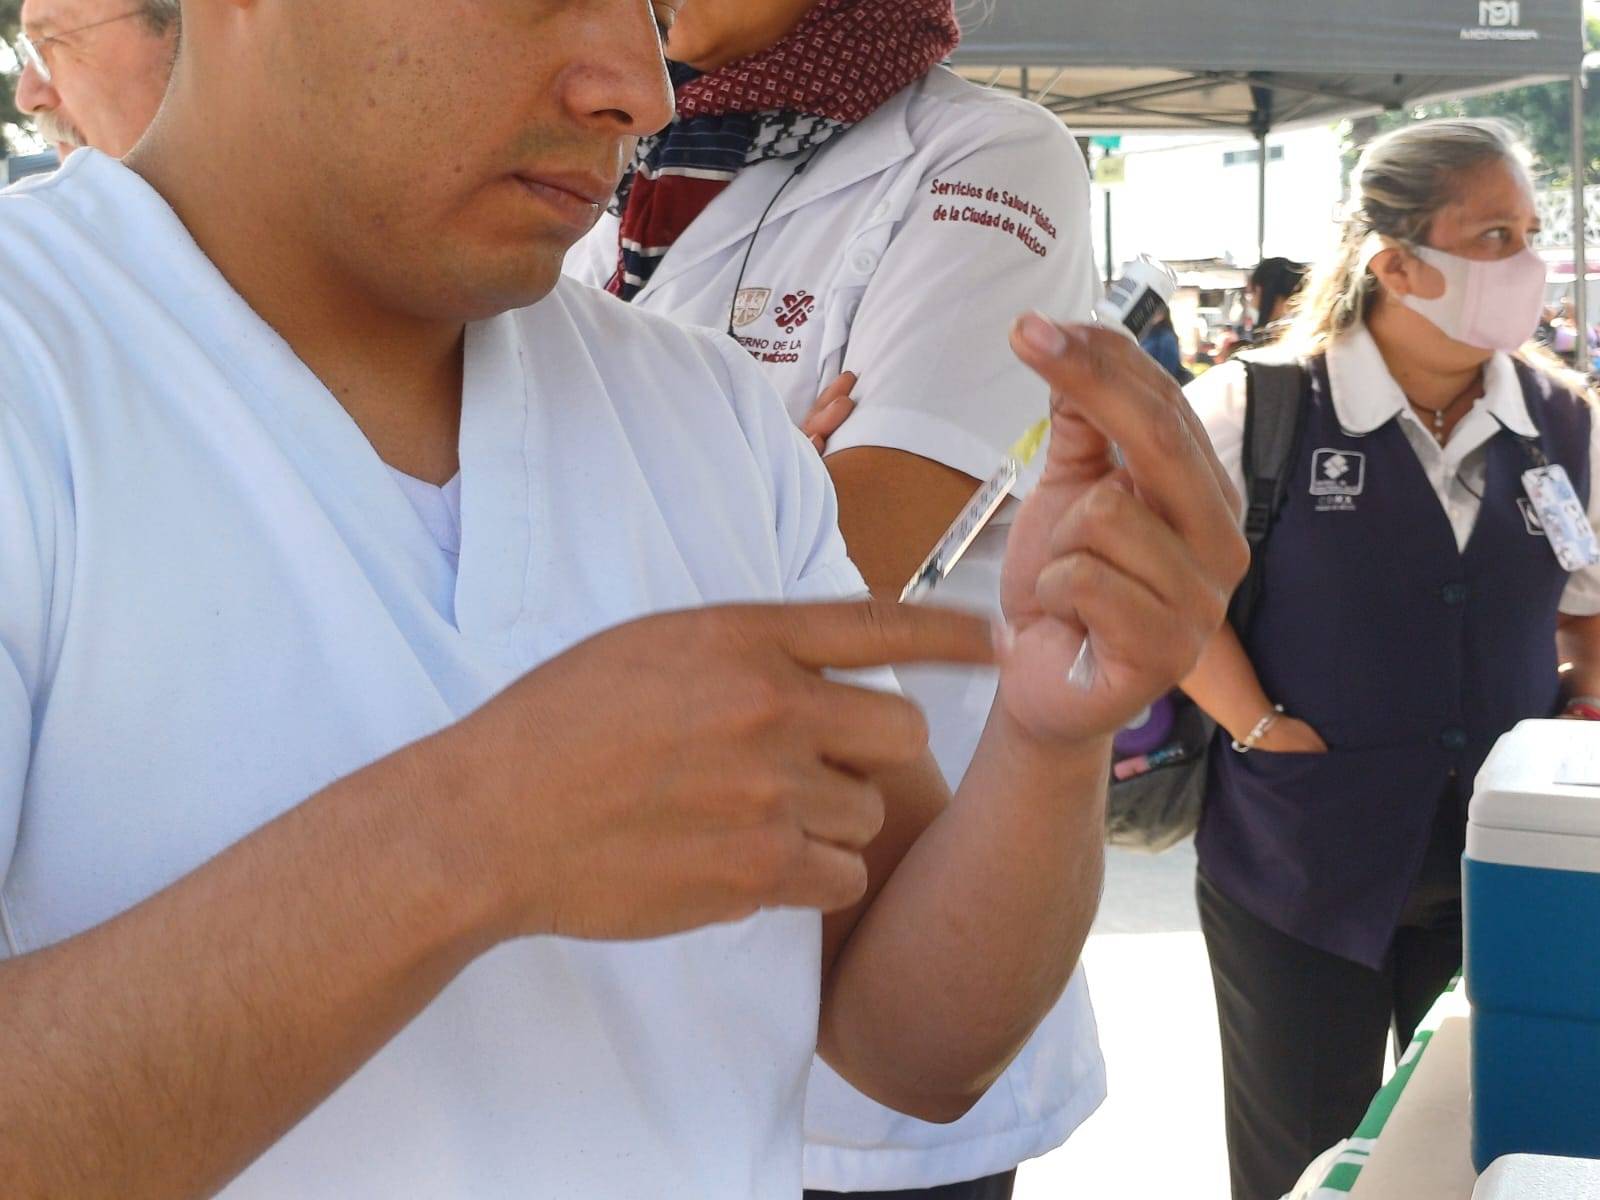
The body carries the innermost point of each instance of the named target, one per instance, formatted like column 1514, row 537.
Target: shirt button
column 1454, row 594
column 1454, row 740
column 864, row 262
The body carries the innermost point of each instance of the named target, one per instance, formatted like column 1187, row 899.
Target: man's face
column 107, row 80
column 442, row 157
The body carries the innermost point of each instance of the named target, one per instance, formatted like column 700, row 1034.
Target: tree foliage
column 10, row 118
column 1542, row 114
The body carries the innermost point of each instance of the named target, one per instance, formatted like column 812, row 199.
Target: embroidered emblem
column 749, row 305
column 1338, row 473
column 796, row 311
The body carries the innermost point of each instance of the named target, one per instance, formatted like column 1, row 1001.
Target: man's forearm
column 978, row 930
column 161, row 1053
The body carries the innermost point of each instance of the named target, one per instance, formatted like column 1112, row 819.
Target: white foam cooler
column 1537, row 1177
column 1531, row 888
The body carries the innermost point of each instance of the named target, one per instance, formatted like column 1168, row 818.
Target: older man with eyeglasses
column 94, row 72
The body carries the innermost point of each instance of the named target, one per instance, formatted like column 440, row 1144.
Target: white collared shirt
column 1366, row 397
column 903, row 254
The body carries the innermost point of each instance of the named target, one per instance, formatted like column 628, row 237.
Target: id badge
column 1562, row 514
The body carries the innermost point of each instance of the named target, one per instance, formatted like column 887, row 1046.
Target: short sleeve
column 815, row 564
column 1220, row 398
column 32, row 519
column 1582, row 597
column 999, row 226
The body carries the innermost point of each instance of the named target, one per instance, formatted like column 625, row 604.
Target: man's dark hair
column 162, row 15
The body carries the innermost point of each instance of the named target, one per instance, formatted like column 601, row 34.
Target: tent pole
column 1580, row 247
column 1111, row 262
column 1261, row 201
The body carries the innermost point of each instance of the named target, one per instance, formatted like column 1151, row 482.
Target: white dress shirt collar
column 1366, row 396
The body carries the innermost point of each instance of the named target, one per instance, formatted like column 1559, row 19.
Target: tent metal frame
column 1264, row 117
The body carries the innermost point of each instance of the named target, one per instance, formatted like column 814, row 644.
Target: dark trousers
column 1304, row 1032
column 996, row 1187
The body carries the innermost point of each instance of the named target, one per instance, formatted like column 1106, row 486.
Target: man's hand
column 1142, row 560
column 694, row 768
column 832, row 409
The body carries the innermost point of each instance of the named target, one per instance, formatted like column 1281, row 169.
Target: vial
column 1131, row 303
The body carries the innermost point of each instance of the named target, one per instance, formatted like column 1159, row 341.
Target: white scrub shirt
column 904, row 252
column 218, row 600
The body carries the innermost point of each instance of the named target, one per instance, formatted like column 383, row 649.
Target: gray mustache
column 54, row 129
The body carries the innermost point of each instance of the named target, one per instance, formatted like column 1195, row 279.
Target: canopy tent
column 1259, row 65
column 1255, row 66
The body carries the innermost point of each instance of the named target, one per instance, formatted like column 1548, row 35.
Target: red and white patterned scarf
column 843, row 61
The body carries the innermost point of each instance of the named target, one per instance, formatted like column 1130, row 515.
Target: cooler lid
column 1542, row 777
column 1536, row 1177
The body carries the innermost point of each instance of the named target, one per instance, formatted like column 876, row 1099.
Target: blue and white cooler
column 1531, row 881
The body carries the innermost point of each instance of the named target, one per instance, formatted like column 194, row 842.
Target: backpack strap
column 1275, row 402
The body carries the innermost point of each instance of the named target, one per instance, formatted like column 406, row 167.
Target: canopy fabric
column 1257, row 65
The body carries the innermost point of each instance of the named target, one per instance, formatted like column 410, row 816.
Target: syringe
column 980, row 510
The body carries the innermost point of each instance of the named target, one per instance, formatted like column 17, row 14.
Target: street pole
column 1261, row 202
column 1580, row 239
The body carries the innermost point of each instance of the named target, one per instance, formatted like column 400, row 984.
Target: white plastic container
column 1534, row 1177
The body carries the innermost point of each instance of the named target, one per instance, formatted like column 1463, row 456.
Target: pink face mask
column 1488, row 305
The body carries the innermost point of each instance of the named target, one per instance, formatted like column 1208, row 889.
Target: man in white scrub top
column 895, row 234
column 343, row 858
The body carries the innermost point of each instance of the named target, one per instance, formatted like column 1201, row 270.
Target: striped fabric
column 843, row 61
column 1345, row 1171
column 676, row 177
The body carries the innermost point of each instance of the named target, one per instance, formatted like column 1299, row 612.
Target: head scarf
column 843, row 61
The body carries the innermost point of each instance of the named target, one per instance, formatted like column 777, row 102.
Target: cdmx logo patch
column 796, row 311
column 1338, row 473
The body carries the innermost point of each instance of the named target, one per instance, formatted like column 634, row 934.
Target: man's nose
column 624, row 86
column 33, row 93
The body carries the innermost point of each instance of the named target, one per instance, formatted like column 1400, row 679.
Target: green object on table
column 1352, row 1160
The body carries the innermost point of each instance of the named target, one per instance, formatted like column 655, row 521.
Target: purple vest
column 1408, row 656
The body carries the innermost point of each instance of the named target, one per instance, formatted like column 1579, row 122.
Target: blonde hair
column 1400, row 185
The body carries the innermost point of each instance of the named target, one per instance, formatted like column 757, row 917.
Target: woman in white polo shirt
column 840, row 203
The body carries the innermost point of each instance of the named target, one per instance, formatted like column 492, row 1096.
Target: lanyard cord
column 750, row 245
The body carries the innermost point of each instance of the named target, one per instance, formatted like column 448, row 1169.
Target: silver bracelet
column 1263, row 727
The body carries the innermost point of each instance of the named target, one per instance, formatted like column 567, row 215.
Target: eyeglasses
column 30, row 53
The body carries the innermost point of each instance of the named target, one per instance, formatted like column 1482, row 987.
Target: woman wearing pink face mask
column 1410, row 611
